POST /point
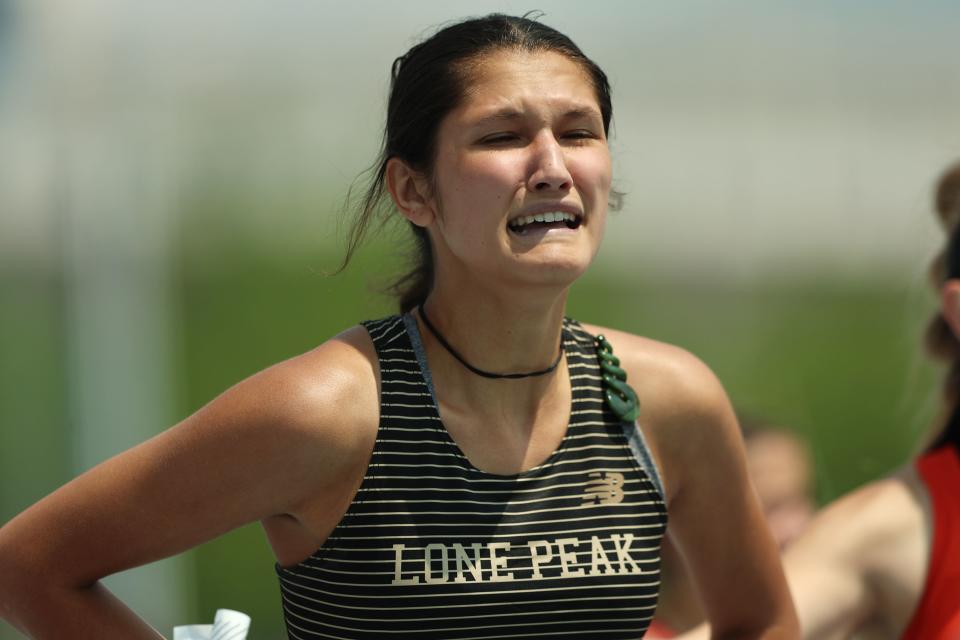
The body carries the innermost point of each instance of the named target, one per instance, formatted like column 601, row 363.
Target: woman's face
column 522, row 172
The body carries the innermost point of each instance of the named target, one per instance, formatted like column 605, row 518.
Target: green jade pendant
column 620, row 397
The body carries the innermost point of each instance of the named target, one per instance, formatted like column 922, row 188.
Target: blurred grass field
column 837, row 361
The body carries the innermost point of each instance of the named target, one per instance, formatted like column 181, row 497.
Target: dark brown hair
column 426, row 84
column 940, row 340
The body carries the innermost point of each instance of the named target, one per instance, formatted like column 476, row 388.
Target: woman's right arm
column 284, row 441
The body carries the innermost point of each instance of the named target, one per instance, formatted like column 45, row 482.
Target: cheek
column 475, row 180
column 593, row 172
column 604, row 172
column 495, row 169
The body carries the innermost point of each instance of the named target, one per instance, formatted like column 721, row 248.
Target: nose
column 548, row 169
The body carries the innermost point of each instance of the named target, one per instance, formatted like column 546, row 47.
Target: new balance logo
column 604, row 488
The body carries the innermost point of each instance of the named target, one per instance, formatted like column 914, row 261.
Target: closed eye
column 580, row 134
column 500, row 138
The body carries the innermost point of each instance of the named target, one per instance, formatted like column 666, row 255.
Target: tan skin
column 294, row 441
column 858, row 571
column 780, row 470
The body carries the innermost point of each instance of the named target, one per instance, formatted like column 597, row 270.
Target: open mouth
column 546, row 220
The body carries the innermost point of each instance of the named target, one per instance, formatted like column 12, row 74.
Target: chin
column 556, row 273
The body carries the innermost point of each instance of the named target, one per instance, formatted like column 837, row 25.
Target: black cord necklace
column 481, row 372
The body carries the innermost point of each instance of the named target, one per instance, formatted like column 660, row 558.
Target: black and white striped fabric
column 432, row 547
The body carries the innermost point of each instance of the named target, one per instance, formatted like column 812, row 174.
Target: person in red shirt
column 884, row 560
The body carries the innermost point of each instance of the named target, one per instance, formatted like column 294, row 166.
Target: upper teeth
column 549, row 216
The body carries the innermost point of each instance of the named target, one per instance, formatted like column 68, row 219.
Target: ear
column 410, row 192
column 950, row 304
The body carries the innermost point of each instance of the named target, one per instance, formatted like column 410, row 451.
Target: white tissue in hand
column 227, row 625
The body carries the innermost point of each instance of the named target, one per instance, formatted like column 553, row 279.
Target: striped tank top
column 432, row 547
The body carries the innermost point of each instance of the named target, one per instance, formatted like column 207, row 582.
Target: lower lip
column 540, row 231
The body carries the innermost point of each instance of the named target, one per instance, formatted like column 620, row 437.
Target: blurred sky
column 752, row 138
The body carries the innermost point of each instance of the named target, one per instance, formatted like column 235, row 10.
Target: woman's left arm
column 715, row 519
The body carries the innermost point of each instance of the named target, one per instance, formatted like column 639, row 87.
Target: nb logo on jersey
column 604, row 488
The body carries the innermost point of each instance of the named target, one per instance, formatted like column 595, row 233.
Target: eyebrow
column 510, row 114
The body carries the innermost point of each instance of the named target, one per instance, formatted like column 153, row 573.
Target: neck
column 490, row 375
column 500, row 335
column 497, row 335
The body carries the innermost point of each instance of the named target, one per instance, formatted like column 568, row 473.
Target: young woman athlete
column 472, row 467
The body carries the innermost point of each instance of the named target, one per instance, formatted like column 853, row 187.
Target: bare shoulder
column 867, row 524
column 684, row 410
column 320, row 407
column 335, row 382
column 286, row 434
column 886, row 525
column 664, row 373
